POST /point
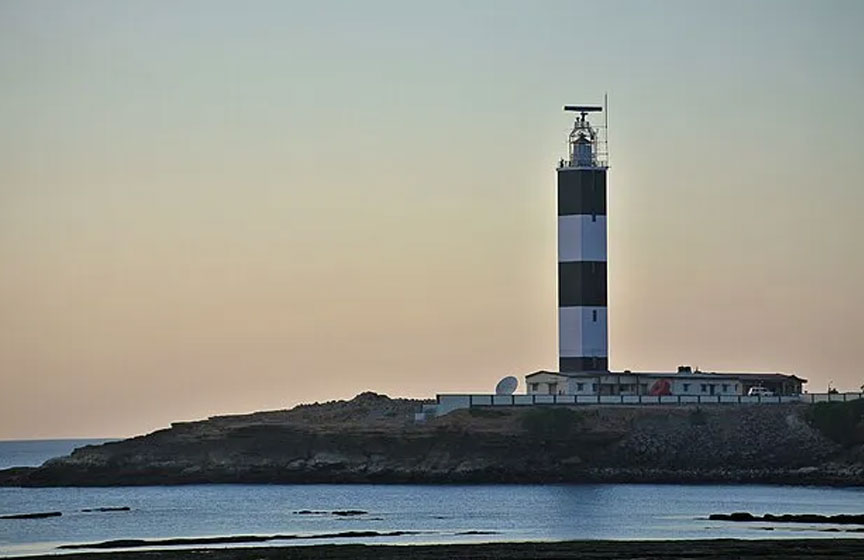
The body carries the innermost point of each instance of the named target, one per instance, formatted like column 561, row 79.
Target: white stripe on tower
column 581, row 238
column 582, row 306
column 582, row 331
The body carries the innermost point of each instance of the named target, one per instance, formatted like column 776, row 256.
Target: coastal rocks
column 472, row 465
column 706, row 437
column 324, row 460
column 743, row 516
column 337, row 513
column 16, row 476
column 40, row 515
column 348, row 512
column 372, row 439
column 46, row 514
column 737, row 516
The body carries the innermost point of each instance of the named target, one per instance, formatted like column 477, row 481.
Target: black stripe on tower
column 583, row 364
column 582, row 283
column 581, row 191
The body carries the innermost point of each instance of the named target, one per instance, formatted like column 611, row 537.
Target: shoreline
column 830, row 476
column 15, row 478
column 714, row 549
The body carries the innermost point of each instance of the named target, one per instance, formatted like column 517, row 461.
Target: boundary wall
column 449, row 402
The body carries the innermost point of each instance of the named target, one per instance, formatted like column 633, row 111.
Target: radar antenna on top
column 588, row 144
column 583, row 108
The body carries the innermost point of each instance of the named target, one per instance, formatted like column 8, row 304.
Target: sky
column 212, row 207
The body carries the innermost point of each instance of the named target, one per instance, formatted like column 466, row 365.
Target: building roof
column 542, row 372
column 684, row 373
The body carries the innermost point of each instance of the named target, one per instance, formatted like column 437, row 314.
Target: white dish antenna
column 507, row 386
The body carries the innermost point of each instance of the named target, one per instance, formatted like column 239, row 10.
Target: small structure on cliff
column 686, row 381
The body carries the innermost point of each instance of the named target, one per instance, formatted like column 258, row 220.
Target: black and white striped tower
column 582, row 317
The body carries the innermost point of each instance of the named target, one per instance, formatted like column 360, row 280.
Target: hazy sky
column 214, row 207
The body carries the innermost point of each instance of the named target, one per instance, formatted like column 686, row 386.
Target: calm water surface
column 440, row 513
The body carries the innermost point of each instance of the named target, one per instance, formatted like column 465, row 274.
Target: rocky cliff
column 373, row 438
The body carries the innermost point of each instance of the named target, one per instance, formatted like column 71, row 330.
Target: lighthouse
column 582, row 308
column 583, row 375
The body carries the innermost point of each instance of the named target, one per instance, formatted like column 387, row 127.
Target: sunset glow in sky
column 217, row 207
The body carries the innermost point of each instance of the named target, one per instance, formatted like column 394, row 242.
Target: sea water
column 437, row 513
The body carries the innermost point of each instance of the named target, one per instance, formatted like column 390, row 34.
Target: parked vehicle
column 759, row 392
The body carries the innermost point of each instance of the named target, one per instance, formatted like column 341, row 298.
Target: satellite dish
column 506, row 386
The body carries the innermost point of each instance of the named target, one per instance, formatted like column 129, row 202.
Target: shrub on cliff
column 842, row 422
column 551, row 423
column 487, row 412
column 697, row 417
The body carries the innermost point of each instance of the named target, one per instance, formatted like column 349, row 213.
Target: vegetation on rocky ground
column 551, row 423
column 842, row 422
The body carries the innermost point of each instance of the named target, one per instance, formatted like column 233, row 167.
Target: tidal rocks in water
column 232, row 539
column 106, row 509
column 737, row 516
column 338, row 513
column 743, row 516
column 40, row 515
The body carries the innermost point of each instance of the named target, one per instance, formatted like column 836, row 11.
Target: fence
column 448, row 403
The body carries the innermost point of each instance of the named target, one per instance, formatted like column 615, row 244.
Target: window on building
column 704, row 388
column 594, row 387
column 686, row 387
column 534, row 387
column 725, row 388
column 594, row 315
column 553, row 388
column 580, row 386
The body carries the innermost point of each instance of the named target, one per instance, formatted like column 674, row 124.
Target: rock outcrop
column 373, row 438
column 812, row 518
